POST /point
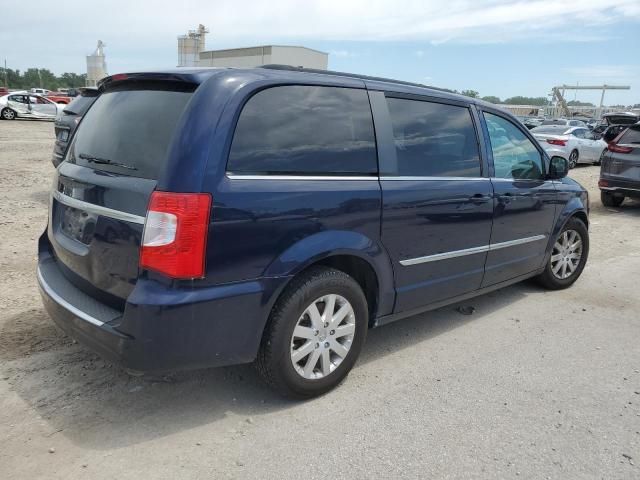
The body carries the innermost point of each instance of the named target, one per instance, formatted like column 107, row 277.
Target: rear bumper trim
column 63, row 303
column 97, row 209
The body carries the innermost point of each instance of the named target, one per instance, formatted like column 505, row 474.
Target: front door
column 437, row 205
column 524, row 205
column 42, row 108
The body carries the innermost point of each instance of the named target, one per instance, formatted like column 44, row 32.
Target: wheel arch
column 350, row 252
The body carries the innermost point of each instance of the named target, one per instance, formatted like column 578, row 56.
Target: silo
column 190, row 46
column 96, row 65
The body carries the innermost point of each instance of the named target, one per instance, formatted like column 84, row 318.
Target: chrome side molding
column 470, row 251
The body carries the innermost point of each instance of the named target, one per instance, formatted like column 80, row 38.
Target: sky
column 496, row 47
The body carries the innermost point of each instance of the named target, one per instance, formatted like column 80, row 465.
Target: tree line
column 40, row 77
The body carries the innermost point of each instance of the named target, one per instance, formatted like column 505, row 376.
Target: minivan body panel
column 418, row 235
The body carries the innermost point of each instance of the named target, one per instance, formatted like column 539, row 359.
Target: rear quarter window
column 631, row 136
column 305, row 130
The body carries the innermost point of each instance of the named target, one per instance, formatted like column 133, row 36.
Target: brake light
column 175, row 234
column 119, row 76
column 554, row 141
column 603, row 183
column 612, row 147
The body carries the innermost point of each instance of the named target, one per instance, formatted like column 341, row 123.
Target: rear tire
column 573, row 159
column 568, row 256
column 8, row 114
column 611, row 200
column 297, row 325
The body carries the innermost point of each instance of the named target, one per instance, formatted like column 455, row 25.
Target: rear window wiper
column 105, row 161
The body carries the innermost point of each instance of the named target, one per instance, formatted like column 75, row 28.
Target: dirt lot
column 533, row 385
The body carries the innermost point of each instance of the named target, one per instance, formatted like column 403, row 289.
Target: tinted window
column 18, row 98
column 580, row 133
column 433, row 139
column 80, row 104
column 129, row 127
column 550, row 129
column 632, row 135
column 514, row 155
column 305, row 130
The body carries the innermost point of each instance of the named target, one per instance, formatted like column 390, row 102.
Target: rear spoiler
column 187, row 79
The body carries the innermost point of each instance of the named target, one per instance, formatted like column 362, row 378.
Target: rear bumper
column 627, row 188
column 162, row 328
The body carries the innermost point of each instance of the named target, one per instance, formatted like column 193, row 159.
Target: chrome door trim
column 64, row 304
column 97, row 209
column 470, row 251
column 456, row 179
column 234, row 176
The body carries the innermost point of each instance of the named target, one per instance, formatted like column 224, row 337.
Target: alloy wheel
column 573, row 159
column 566, row 254
column 8, row 114
column 322, row 337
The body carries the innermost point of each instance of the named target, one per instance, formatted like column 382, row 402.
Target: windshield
column 129, row 131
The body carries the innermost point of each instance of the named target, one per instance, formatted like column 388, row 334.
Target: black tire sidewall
column 7, row 110
column 288, row 313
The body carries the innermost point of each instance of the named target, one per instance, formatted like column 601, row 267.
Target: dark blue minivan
column 208, row 217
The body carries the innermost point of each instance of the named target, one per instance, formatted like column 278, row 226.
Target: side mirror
column 558, row 168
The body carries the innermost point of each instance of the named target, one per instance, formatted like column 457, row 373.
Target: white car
column 578, row 144
column 28, row 105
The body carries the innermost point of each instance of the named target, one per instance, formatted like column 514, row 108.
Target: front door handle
column 479, row 198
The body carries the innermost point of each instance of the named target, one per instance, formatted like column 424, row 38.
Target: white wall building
column 264, row 55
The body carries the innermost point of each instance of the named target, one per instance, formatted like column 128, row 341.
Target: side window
column 18, row 98
column 514, row 155
column 580, row 133
column 433, row 139
column 305, row 130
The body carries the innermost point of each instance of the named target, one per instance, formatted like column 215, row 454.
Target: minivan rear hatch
column 102, row 188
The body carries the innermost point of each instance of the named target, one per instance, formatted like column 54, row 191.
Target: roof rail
column 290, row 68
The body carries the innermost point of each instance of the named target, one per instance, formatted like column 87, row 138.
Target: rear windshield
column 550, row 130
column 129, row 131
column 631, row 136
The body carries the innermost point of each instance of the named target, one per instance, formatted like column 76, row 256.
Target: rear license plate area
column 78, row 224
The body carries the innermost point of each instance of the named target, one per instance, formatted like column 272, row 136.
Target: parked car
column 4, row 91
column 577, row 144
column 27, row 105
column 620, row 171
column 66, row 123
column 533, row 122
column 564, row 121
column 268, row 218
column 615, row 119
column 59, row 97
column 40, row 91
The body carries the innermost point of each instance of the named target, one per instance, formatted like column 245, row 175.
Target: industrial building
column 191, row 53
column 96, row 65
column 190, row 46
column 264, row 55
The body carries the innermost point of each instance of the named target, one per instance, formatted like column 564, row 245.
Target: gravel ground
column 534, row 384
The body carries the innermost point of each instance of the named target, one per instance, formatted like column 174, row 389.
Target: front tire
column 314, row 334
column 8, row 114
column 568, row 256
column 611, row 200
column 599, row 162
column 573, row 159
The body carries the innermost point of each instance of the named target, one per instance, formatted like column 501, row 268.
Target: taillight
column 612, row 147
column 175, row 234
column 603, row 183
column 554, row 141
